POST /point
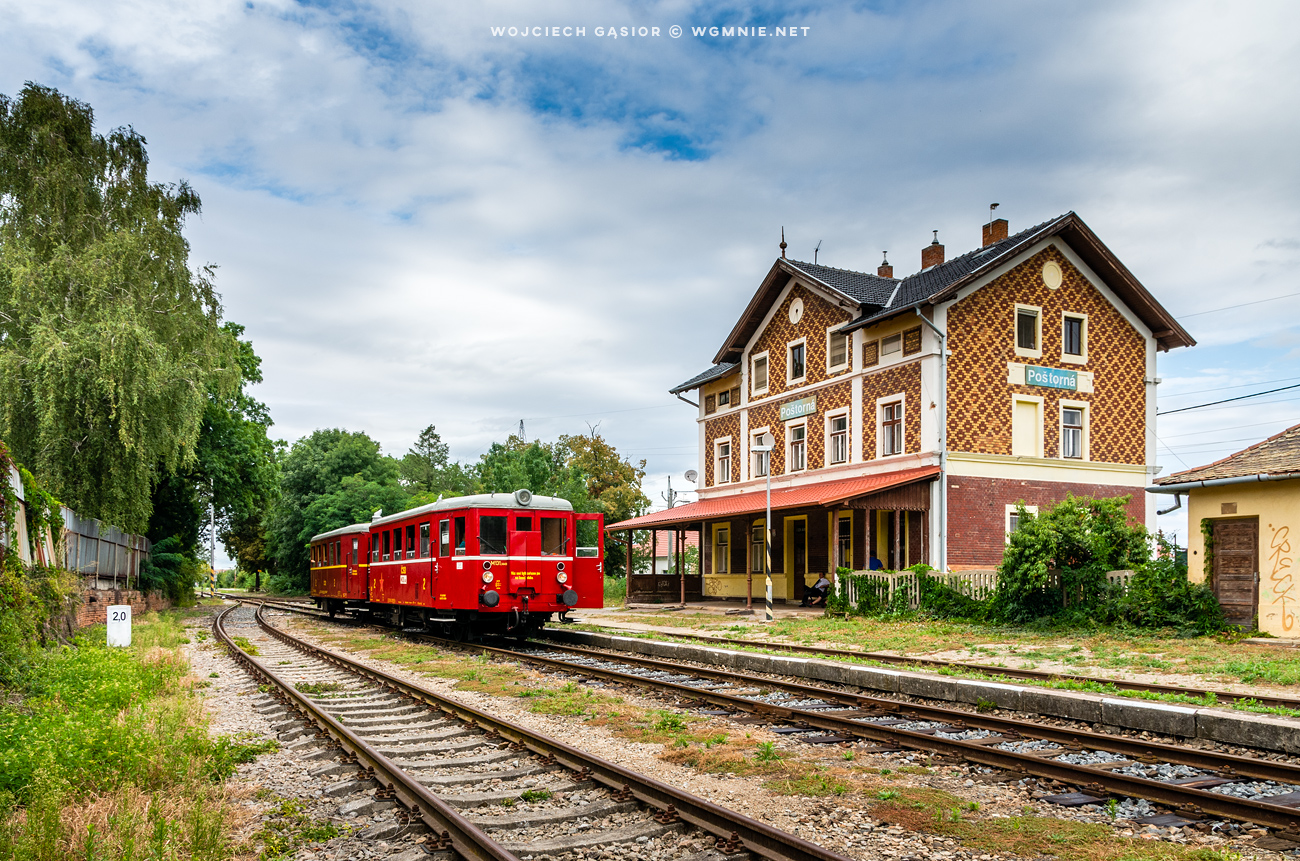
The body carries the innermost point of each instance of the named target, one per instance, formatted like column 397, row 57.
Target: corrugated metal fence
column 104, row 555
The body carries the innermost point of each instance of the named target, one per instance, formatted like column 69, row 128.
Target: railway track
column 990, row 671
column 1195, row 782
column 460, row 770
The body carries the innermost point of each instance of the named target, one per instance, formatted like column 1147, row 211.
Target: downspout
column 683, row 400
column 1178, row 503
column 943, row 438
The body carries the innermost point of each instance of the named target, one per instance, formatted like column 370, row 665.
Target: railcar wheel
column 332, row 607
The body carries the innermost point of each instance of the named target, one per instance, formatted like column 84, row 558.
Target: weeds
column 245, row 646
column 533, row 795
column 289, row 829
column 315, row 688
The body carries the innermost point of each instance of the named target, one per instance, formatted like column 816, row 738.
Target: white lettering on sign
column 119, row 625
column 1051, row 378
column 799, row 408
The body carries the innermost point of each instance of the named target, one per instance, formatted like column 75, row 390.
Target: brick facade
column 982, row 338
column 977, row 512
column 818, row 316
column 898, row 379
column 93, row 609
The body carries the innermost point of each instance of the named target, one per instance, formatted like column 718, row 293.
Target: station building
column 908, row 416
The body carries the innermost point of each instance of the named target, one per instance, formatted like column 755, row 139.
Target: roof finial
column 783, row 245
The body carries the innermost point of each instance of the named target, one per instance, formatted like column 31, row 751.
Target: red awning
column 804, row 496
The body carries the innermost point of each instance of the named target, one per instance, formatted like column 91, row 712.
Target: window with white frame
column 1014, row 518
column 758, row 376
column 837, row 351
column 721, row 550
column 1029, row 331
column 1074, row 337
column 722, row 468
column 1027, row 426
column 1074, row 431
column 724, row 398
column 838, row 429
column 797, row 364
column 762, row 459
column 891, row 428
column 891, row 345
column 798, row 458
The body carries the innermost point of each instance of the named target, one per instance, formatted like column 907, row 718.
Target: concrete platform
column 1229, row 726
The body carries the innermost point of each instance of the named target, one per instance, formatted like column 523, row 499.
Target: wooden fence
column 903, row 587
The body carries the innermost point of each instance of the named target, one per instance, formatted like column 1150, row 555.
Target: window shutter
column 871, row 354
column 735, row 396
column 912, row 341
column 710, row 404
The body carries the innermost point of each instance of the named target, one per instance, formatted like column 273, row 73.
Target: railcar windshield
column 492, row 535
column 424, row 541
column 410, row 541
column 460, row 536
column 555, row 536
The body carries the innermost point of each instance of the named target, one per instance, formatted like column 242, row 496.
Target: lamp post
column 765, row 447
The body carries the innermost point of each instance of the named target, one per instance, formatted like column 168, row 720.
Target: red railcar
column 340, row 562
column 489, row 563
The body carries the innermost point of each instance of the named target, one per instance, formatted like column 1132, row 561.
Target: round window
column 796, row 311
column 1052, row 275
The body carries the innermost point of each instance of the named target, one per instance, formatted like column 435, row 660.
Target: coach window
column 492, row 535
column 424, row 541
column 444, row 538
column 410, row 541
column 460, row 536
column 523, row 524
column 388, row 544
column 397, row 543
column 555, row 538
column 356, row 545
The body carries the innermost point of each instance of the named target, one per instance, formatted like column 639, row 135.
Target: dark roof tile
column 716, row 372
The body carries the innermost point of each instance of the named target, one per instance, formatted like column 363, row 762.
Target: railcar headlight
column 487, row 576
column 487, row 566
column 559, row 566
column 562, row 577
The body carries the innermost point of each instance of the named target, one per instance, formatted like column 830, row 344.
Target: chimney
column 995, row 231
column 932, row 254
column 884, row 270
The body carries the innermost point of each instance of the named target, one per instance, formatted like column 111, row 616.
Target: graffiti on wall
column 1279, row 567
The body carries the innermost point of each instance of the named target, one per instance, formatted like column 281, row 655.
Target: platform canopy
column 824, row 494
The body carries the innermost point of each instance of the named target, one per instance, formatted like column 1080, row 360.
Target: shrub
column 1160, row 596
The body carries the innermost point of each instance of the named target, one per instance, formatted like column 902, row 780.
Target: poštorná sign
column 799, row 409
column 1051, row 378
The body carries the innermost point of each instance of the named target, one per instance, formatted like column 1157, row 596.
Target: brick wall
column 977, row 512
column 93, row 609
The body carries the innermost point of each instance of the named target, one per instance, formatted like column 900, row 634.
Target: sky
column 423, row 219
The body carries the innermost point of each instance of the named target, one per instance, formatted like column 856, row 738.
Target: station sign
column 1051, row 378
column 799, row 409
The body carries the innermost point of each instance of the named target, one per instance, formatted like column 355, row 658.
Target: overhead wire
column 1230, row 400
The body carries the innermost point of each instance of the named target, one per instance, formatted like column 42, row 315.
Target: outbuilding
column 1240, row 513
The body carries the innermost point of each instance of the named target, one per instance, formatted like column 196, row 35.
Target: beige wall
column 1277, row 505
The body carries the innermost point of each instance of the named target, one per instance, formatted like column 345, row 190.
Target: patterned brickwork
column 768, row 414
column 982, row 337
column 818, row 316
column 977, row 512
column 726, row 425
column 904, row 378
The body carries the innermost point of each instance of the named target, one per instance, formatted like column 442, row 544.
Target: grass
column 318, row 687
column 245, row 646
column 615, row 591
column 1217, row 659
column 1028, row 836
column 288, row 829
column 105, row 754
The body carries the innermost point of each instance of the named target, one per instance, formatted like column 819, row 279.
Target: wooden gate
column 1236, row 569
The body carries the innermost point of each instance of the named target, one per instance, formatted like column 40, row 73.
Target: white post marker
column 119, row 625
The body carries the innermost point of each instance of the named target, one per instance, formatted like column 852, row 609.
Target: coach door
column 1236, row 569
column 588, row 562
column 525, row 552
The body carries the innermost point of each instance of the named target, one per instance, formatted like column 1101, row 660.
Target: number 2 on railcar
column 492, row 563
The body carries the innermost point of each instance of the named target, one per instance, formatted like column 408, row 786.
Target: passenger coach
column 489, row 563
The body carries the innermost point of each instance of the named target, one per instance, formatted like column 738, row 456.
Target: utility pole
column 671, row 496
column 212, row 539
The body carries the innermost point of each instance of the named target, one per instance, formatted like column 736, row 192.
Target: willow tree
column 109, row 343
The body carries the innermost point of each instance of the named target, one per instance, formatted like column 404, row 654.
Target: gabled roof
column 717, row 372
column 1277, row 455
column 867, row 289
column 941, row 283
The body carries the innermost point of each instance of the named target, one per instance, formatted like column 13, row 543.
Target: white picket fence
column 978, row 585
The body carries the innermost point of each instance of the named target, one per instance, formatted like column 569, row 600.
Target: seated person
column 815, row 595
column 875, row 564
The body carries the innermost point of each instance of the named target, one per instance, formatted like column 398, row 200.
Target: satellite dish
column 523, row 497
column 766, row 439
column 691, row 475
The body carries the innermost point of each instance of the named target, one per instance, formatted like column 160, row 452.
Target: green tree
column 329, row 479
column 109, row 343
column 543, row 468
column 613, row 485
column 428, row 470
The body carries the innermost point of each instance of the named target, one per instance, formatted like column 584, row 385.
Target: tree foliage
column 109, row 344
column 428, row 469
column 329, row 479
